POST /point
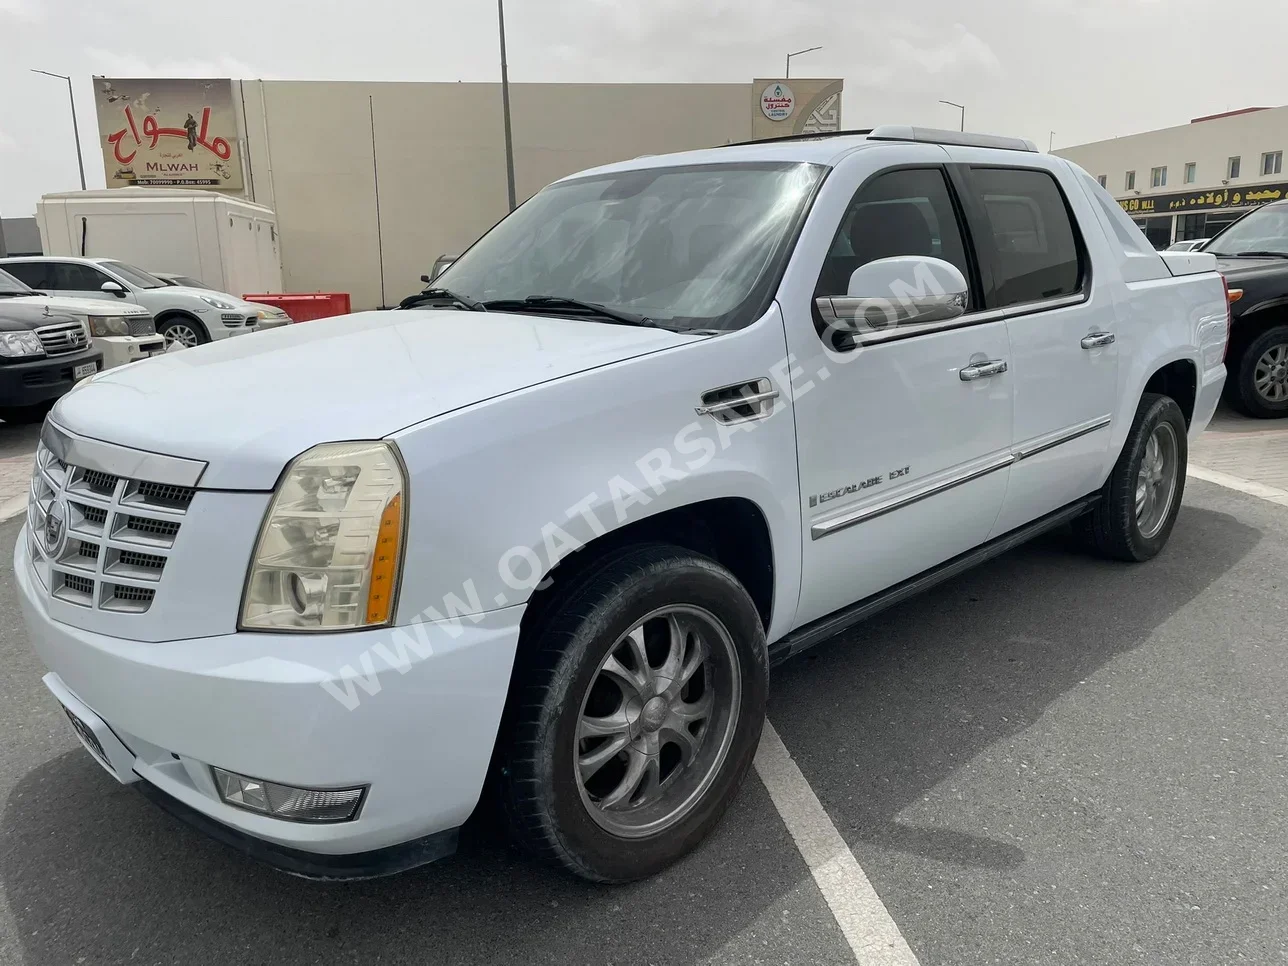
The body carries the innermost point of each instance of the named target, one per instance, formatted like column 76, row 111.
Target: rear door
column 1061, row 323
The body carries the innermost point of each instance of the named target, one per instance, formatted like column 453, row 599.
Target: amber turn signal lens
column 384, row 565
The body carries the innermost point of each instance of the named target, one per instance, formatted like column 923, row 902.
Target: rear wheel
column 637, row 716
column 182, row 330
column 1260, row 380
column 1142, row 497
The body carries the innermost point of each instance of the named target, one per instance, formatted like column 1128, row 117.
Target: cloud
column 111, row 63
column 6, row 142
column 27, row 11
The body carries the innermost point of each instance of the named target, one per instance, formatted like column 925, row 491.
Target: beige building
column 373, row 181
column 1191, row 181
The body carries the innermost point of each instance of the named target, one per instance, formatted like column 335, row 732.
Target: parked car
column 1192, row 245
column 565, row 515
column 1252, row 253
column 270, row 316
column 43, row 353
column 124, row 333
column 187, row 316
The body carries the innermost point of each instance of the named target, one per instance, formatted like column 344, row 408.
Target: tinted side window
column 897, row 213
column 34, row 274
column 71, row 277
column 1036, row 253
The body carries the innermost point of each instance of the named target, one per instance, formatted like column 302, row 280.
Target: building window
column 1272, row 163
column 1131, row 180
column 1158, row 177
column 1104, row 180
column 1232, row 169
column 1191, row 172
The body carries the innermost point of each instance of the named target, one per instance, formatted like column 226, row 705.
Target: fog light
column 286, row 801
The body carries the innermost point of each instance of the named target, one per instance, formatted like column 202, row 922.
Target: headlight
column 329, row 552
column 223, row 304
column 102, row 325
column 15, row 344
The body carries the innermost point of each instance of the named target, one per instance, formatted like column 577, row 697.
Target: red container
column 307, row 307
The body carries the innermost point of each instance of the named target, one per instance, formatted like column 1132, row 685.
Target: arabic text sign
column 1249, row 197
column 159, row 132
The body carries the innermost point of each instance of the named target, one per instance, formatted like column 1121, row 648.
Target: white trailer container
column 229, row 244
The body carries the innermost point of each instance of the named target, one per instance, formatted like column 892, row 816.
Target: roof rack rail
column 817, row 135
column 902, row 132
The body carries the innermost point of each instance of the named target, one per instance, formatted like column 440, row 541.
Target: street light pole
column 960, row 107
column 796, row 53
column 1051, row 142
column 505, row 106
column 80, row 161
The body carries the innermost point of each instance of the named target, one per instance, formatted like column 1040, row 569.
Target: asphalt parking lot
column 1052, row 759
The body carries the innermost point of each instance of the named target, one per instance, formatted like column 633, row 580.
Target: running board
column 815, row 632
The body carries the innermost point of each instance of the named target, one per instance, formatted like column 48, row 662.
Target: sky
column 1084, row 69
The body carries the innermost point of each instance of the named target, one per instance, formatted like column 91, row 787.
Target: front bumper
column 39, row 381
column 412, row 712
column 121, row 349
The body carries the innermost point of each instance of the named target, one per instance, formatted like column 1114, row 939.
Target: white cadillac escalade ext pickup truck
column 671, row 421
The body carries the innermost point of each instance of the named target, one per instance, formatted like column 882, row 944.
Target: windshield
column 135, row 276
column 1264, row 230
column 11, row 286
column 688, row 247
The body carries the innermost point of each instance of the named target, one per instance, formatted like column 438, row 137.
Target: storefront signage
column 777, row 102
column 1248, row 197
column 168, row 133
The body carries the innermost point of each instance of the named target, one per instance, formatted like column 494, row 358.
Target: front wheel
column 183, row 331
column 1142, row 497
column 637, row 716
column 1259, row 383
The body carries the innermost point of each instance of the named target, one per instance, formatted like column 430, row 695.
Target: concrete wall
column 439, row 157
column 1210, row 144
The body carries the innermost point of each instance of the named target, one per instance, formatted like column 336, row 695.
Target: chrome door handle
column 982, row 370
column 1097, row 339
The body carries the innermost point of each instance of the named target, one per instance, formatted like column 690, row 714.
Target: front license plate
column 81, row 371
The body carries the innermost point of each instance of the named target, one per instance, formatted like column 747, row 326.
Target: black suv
column 1252, row 254
column 42, row 355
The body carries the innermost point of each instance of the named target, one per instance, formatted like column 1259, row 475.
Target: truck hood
column 79, row 306
column 248, row 406
column 1252, row 267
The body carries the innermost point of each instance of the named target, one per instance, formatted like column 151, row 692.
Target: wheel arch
column 1178, row 379
column 173, row 314
column 1252, row 323
column 733, row 531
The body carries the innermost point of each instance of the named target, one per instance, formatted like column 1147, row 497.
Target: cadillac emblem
column 56, row 527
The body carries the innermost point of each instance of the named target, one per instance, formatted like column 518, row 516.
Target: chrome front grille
column 99, row 540
column 142, row 325
column 65, row 337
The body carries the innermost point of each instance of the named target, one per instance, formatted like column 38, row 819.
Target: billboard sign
column 168, row 133
column 806, row 105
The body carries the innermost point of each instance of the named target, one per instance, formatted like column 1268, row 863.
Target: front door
column 903, row 460
column 1062, row 326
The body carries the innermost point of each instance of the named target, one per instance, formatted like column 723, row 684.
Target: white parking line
column 1270, row 493
column 872, row 934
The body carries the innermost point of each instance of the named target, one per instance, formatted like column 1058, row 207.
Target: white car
column 671, row 421
column 270, row 316
column 187, row 316
column 1192, row 245
column 124, row 333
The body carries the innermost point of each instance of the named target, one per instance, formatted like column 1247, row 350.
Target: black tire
column 1112, row 528
column 1243, row 392
column 25, row 415
column 541, row 791
column 186, row 322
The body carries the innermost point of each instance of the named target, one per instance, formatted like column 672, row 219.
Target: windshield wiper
column 1256, row 254
column 441, row 295
column 556, row 302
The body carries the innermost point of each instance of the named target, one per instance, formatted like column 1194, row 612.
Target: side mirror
column 113, row 288
column 426, row 279
column 890, row 296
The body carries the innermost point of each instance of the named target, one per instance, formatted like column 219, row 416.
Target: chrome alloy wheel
column 1156, row 480
column 1271, row 374
column 182, row 334
column 657, row 721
